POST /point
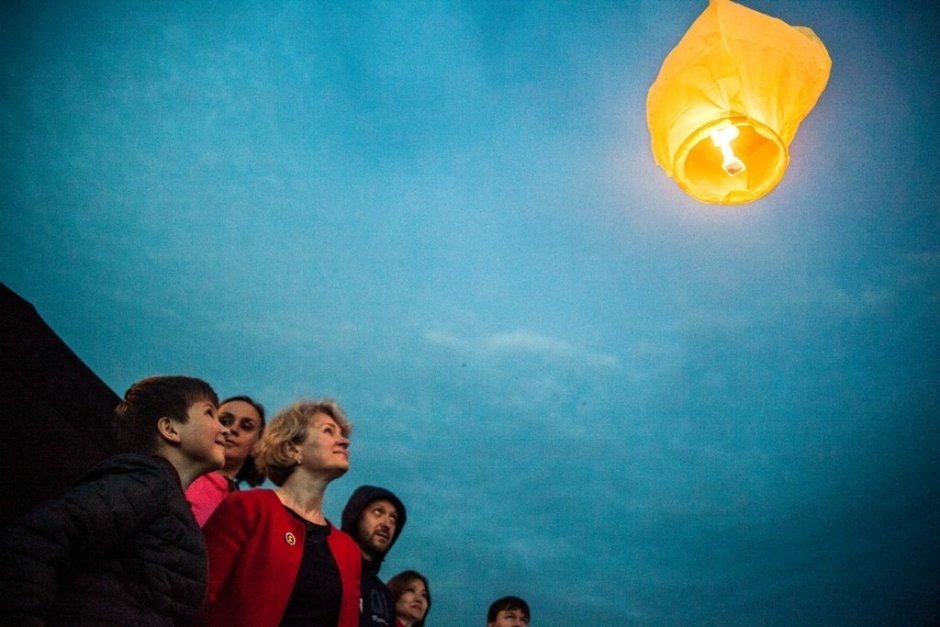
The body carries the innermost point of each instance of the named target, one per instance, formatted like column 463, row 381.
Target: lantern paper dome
column 729, row 99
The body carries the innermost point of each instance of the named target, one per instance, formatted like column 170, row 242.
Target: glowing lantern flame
column 722, row 138
column 729, row 99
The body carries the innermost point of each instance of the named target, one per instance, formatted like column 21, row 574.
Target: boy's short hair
column 504, row 605
column 148, row 400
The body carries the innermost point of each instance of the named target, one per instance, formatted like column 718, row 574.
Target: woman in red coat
column 274, row 559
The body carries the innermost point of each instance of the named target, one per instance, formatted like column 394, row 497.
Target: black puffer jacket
column 121, row 547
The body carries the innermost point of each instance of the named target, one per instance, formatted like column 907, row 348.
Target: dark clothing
column 314, row 601
column 121, row 547
column 378, row 607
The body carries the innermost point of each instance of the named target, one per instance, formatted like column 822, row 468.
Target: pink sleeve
column 204, row 495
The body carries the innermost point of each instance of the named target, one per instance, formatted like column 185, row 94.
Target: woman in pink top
column 244, row 418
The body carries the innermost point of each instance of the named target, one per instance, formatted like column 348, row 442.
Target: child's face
column 202, row 437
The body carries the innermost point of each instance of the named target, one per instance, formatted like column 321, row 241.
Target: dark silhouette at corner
column 55, row 412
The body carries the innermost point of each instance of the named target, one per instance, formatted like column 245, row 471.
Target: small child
column 121, row 546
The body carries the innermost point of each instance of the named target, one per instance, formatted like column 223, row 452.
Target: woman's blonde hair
column 290, row 426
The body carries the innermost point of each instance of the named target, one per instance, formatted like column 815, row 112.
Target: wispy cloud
column 522, row 343
column 527, row 341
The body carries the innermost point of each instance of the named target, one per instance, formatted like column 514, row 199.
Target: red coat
column 255, row 547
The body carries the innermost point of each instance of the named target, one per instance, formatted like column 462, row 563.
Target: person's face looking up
column 202, row 436
column 510, row 618
column 412, row 605
column 244, row 425
column 325, row 449
column 377, row 527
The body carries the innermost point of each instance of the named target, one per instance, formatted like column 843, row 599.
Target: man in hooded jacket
column 374, row 517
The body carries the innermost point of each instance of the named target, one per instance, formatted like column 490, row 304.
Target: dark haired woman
column 412, row 597
column 244, row 418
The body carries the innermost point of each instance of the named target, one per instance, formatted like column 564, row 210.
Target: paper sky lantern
column 729, row 99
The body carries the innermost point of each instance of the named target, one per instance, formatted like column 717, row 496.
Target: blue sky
column 591, row 390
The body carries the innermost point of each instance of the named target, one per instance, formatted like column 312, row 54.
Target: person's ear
column 167, row 429
column 290, row 449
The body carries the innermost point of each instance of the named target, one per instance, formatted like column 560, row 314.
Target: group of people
column 162, row 535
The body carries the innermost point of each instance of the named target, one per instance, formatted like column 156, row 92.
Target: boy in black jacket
column 121, row 546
